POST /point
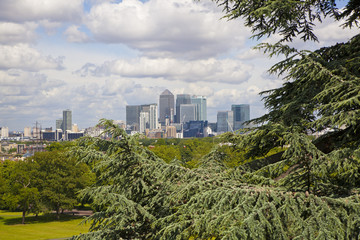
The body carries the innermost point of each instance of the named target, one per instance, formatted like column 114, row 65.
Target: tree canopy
column 307, row 188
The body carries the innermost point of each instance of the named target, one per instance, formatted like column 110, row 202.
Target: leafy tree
column 59, row 179
column 18, row 187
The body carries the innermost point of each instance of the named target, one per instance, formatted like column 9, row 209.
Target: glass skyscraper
column 181, row 99
column 166, row 106
column 225, row 121
column 241, row 114
column 67, row 120
column 201, row 109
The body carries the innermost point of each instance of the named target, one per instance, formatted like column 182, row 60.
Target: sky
column 94, row 57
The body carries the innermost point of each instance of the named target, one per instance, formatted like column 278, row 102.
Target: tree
column 59, row 179
column 140, row 196
column 309, row 190
column 18, row 187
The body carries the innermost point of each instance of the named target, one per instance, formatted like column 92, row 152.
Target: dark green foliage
column 139, row 196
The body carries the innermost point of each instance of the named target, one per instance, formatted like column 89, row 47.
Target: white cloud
column 21, row 56
column 34, row 10
column 207, row 70
column 73, row 34
column 163, row 28
column 13, row 33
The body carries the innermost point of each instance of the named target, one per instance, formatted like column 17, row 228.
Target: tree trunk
column 23, row 217
column 58, row 213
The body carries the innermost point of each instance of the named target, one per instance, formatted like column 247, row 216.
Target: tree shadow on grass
column 45, row 218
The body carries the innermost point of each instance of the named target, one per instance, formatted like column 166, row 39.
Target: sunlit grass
column 41, row 227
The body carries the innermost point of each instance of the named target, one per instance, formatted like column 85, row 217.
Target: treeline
column 48, row 181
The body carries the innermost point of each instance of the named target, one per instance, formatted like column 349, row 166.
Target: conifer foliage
column 309, row 189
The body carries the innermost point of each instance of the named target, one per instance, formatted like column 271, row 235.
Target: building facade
column 67, row 120
column 181, row 99
column 201, row 108
column 225, row 121
column 166, row 107
column 187, row 113
column 241, row 114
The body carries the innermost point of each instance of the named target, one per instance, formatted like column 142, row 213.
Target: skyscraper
column 241, row 114
column 201, row 108
column 166, row 106
column 67, row 120
column 225, row 121
column 59, row 123
column 133, row 116
column 136, row 117
column 187, row 113
column 181, row 99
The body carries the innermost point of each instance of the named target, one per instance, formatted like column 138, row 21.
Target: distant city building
column 241, row 114
column 201, row 108
column 133, row 116
column 170, row 132
column 181, row 99
column 195, row 129
column 75, row 128
column 59, row 123
column 225, row 121
column 187, row 113
column 67, row 120
column 4, row 132
column 166, row 107
column 142, row 117
column 27, row 132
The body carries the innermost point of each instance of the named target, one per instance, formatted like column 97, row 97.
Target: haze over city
column 97, row 56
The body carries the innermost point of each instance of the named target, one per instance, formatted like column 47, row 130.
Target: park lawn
column 42, row 227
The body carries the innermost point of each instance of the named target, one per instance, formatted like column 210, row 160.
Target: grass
column 38, row 228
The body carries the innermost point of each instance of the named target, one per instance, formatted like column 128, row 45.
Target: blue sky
column 97, row 56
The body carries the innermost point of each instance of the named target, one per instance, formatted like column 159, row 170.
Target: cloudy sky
column 97, row 56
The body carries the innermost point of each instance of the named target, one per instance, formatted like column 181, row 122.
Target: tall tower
column 187, row 113
column 181, row 99
column 241, row 114
column 67, row 120
column 225, row 121
column 201, row 108
column 166, row 106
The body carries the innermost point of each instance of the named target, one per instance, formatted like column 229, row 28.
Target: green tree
column 59, row 179
column 18, row 187
column 308, row 190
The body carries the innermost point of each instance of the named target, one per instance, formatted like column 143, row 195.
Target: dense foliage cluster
column 48, row 181
column 288, row 183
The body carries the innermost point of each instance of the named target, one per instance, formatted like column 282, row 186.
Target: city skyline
column 96, row 57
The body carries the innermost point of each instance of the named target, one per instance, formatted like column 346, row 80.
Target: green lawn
column 37, row 228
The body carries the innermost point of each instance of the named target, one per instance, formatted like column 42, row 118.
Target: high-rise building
column 201, row 108
column 225, row 121
column 67, row 120
column 181, row 99
column 59, row 123
column 4, row 132
column 166, row 106
column 133, row 116
column 187, row 113
column 27, row 132
column 241, row 114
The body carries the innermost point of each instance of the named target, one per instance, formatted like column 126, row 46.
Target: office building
column 201, row 108
column 187, row 113
column 67, row 120
column 4, row 132
column 133, row 116
column 59, row 123
column 27, row 132
column 137, row 113
column 241, row 114
column 181, row 99
column 225, row 121
column 166, row 107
